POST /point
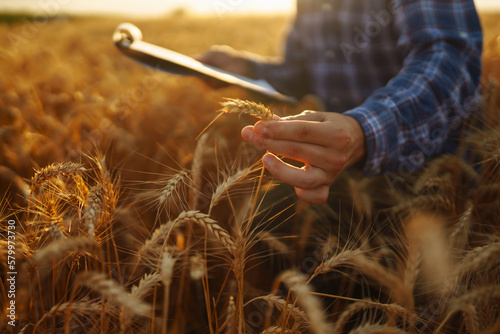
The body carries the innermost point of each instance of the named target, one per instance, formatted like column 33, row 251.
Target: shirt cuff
column 377, row 119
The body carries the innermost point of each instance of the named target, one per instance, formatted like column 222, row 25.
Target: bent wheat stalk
column 237, row 106
column 114, row 292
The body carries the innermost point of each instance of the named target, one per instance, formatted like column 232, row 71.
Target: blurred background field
column 67, row 94
column 65, row 84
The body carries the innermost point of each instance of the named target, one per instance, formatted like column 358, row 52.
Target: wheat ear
column 462, row 229
column 466, row 304
column 171, row 187
column 352, row 309
column 479, row 258
column 78, row 307
column 237, row 106
column 394, row 284
column 148, row 282
column 231, row 311
column 93, row 207
column 279, row 330
column 376, row 329
column 60, row 247
column 52, row 171
column 156, row 238
column 196, row 172
column 296, row 281
column 115, row 293
column 205, row 221
column 334, row 261
column 166, row 274
column 138, row 292
column 273, row 242
column 228, row 183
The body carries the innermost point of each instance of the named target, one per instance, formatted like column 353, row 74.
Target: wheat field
column 115, row 218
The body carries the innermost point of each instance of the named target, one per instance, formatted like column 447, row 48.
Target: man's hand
column 227, row 59
column 327, row 143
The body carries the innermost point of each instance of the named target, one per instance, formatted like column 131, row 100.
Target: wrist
column 357, row 152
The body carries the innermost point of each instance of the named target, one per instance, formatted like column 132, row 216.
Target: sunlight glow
column 164, row 7
column 149, row 7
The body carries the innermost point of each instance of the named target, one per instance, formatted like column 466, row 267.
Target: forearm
column 420, row 109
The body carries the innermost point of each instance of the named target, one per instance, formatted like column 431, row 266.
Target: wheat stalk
column 166, row 274
column 279, row 330
column 231, row 311
column 145, row 285
column 287, row 308
column 196, row 171
column 471, row 318
column 461, row 232
column 157, row 237
column 376, row 329
column 348, row 313
column 197, row 267
column 138, row 292
column 388, row 280
column 171, row 187
column 81, row 307
column 335, row 261
column 412, row 264
column 466, row 303
column 228, row 183
column 205, row 221
column 60, row 247
column 93, row 207
column 52, row 171
column 237, row 106
column 273, row 242
column 479, row 258
column 115, row 293
column 352, row 309
column 296, row 281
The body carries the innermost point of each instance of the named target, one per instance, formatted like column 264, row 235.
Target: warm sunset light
column 150, row 7
column 159, row 7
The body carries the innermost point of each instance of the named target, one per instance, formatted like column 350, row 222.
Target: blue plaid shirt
column 407, row 70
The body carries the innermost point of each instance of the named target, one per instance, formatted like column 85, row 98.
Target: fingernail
column 267, row 160
column 247, row 134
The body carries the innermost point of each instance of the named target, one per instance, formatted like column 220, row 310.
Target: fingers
column 308, row 177
column 310, row 183
column 304, row 152
column 313, row 132
column 307, row 115
column 225, row 58
column 315, row 196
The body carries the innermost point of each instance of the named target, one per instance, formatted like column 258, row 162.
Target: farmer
column 396, row 77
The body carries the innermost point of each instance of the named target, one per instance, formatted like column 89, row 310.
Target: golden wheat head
column 237, row 106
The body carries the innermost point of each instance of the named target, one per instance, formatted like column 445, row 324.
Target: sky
column 162, row 7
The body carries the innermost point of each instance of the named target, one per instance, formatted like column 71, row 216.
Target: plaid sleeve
column 418, row 113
